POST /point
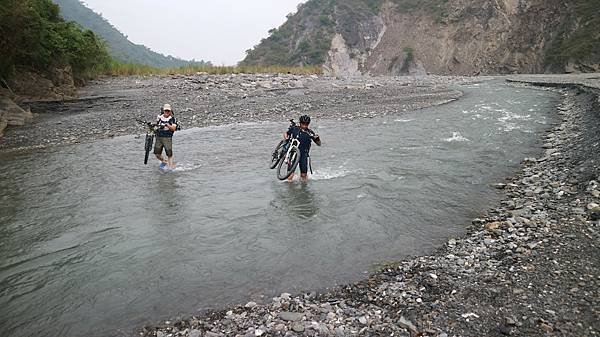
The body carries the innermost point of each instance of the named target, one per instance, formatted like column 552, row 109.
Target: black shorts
column 303, row 162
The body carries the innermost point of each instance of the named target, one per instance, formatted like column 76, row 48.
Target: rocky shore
column 530, row 267
column 109, row 107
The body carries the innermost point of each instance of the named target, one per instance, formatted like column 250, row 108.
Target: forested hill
column 399, row 37
column 119, row 46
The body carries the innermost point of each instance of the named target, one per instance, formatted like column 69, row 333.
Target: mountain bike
column 150, row 132
column 290, row 158
column 280, row 149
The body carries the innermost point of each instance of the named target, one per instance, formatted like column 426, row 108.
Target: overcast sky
column 219, row 31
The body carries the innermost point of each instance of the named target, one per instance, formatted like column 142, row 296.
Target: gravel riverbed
column 529, row 267
column 109, row 107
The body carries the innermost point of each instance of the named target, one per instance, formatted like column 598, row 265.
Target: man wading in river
column 167, row 125
column 305, row 136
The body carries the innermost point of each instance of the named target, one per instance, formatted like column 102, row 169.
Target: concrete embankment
column 529, row 267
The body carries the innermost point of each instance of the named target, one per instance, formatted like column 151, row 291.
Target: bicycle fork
column 294, row 143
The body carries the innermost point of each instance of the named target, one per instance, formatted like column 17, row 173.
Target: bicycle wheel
column 277, row 155
column 148, row 147
column 287, row 166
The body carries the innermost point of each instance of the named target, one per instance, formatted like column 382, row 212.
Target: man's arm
column 316, row 139
column 172, row 127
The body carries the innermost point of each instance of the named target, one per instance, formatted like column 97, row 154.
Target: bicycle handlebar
column 149, row 124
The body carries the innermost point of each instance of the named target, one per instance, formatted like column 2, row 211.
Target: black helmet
column 305, row 119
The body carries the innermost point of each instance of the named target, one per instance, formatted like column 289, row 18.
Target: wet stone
column 297, row 327
column 290, row 316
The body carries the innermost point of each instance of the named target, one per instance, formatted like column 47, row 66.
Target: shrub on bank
column 34, row 36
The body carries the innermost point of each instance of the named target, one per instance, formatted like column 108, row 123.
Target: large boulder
column 12, row 115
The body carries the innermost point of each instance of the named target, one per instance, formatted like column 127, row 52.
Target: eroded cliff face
column 458, row 37
column 474, row 37
column 490, row 37
column 359, row 32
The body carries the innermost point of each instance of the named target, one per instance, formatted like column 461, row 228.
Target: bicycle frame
column 150, row 132
column 294, row 143
column 288, row 143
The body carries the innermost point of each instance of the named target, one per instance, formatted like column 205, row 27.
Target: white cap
column 167, row 107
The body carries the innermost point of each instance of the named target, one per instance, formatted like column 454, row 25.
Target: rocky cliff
column 461, row 37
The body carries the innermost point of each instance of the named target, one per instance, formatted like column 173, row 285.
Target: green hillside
column 305, row 38
column 119, row 46
column 34, row 37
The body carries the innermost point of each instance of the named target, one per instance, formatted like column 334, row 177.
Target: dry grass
column 125, row 69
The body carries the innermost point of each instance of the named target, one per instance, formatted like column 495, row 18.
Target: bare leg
column 291, row 177
column 160, row 157
column 170, row 162
column 304, row 176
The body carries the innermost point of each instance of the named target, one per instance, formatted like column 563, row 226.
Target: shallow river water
column 92, row 242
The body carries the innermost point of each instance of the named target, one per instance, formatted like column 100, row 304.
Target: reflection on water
column 88, row 246
column 169, row 203
column 296, row 198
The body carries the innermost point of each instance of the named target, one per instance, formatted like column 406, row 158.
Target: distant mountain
column 119, row 46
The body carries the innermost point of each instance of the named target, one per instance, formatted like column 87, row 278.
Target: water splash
column 327, row 173
column 184, row 167
column 456, row 137
column 509, row 121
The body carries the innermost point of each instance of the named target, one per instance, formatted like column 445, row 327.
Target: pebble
column 408, row 325
column 297, row 327
column 290, row 316
column 213, row 334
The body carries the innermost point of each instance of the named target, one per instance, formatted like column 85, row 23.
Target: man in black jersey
column 305, row 137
